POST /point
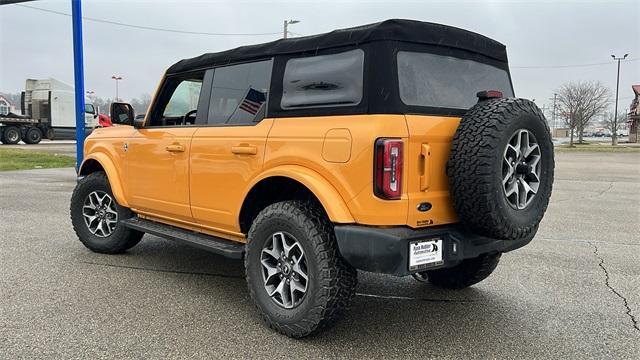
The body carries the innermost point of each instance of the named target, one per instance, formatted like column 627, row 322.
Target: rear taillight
column 387, row 170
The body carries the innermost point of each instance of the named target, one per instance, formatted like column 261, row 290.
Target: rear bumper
column 386, row 250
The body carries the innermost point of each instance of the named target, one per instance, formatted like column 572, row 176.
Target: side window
column 325, row 80
column 239, row 93
column 178, row 101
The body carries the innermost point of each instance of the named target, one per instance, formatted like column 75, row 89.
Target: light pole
column 285, row 31
column 116, row 78
column 78, row 77
column 614, row 131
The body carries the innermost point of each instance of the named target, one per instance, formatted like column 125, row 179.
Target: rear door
column 428, row 151
column 439, row 84
column 227, row 152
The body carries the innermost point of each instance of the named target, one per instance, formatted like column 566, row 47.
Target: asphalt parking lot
column 574, row 292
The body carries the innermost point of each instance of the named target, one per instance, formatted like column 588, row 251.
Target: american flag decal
column 253, row 101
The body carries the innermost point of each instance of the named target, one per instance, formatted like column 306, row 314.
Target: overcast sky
column 538, row 34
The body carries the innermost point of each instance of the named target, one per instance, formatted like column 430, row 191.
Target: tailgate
column 427, row 153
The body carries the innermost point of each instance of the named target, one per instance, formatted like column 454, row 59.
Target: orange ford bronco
column 395, row 148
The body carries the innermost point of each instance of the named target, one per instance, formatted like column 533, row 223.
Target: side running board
column 210, row 243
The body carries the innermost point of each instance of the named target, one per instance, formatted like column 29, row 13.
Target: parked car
column 396, row 148
column 104, row 121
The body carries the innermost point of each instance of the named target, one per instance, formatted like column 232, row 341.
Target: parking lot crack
column 606, row 190
column 633, row 319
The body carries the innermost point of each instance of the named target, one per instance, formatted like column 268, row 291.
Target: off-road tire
column 466, row 273
column 11, row 135
column 121, row 239
column 474, row 168
column 32, row 136
column 331, row 284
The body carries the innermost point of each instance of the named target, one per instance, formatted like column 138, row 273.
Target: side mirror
column 122, row 113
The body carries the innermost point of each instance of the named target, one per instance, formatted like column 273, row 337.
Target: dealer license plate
column 424, row 254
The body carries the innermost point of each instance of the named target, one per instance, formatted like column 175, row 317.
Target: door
column 426, row 157
column 228, row 153
column 158, row 154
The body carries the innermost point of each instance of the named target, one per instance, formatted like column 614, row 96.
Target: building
column 560, row 132
column 6, row 106
column 633, row 117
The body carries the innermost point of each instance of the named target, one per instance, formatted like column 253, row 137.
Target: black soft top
column 409, row 31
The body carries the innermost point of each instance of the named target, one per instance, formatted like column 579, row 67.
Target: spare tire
column 501, row 168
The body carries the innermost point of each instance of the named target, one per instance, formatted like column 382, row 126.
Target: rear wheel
column 51, row 134
column 296, row 277
column 33, row 136
column 465, row 274
column 11, row 135
column 96, row 217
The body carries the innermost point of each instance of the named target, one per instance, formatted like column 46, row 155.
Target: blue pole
column 78, row 72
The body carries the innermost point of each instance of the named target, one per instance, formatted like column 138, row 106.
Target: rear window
column 325, row 80
column 445, row 81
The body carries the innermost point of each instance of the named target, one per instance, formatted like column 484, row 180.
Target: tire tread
column 121, row 239
column 337, row 280
column 472, row 160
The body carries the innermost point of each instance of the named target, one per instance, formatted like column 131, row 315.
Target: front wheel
column 96, row 217
column 296, row 276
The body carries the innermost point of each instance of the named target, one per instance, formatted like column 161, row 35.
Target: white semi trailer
column 48, row 110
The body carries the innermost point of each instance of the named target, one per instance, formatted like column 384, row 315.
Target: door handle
column 244, row 150
column 425, row 179
column 175, row 148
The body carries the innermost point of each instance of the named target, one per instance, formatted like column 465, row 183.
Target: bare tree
column 145, row 100
column 581, row 102
column 142, row 104
column 614, row 124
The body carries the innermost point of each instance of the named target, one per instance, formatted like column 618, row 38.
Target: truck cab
column 48, row 110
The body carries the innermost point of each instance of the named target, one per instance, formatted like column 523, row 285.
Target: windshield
column 445, row 81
